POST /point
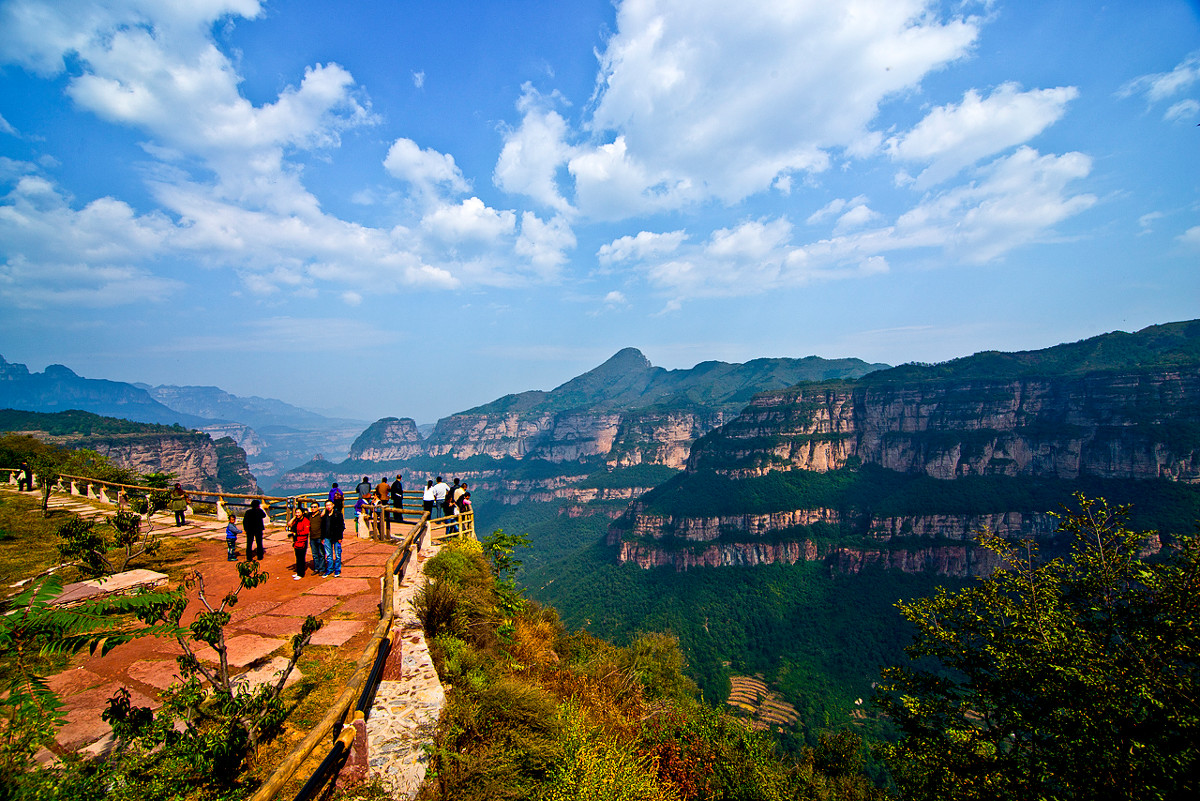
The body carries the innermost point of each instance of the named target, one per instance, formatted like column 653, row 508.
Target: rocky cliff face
column 196, row 460
column 1109, row 426
column 388, row 440
column 957, row 560
column 943, row 544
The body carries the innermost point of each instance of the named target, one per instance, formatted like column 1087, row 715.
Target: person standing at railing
column 25, row 479
column 232, row 532
column 254, row 521
column 441, row 494
column 299, row 528
column 336, row 497
column 427, row 498
column 382, row 491
column 332, row 529
column 364, row 488
column 397, row 494
column 179, row 503
column 362, row 513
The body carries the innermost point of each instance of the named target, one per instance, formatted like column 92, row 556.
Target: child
column 232, row 532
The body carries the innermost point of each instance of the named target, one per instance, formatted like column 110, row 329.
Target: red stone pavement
column 261, row 625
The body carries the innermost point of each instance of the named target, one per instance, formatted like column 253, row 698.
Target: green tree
column 1070, row 678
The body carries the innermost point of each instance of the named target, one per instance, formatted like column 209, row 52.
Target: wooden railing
column 278, row 507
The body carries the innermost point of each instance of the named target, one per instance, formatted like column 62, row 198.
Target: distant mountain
column 58, row 389
column 276, row 435
column 215, row 404
column 624, row 413
column 629, row 381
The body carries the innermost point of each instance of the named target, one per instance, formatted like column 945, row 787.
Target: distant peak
column 626, row 359
column 59, row 371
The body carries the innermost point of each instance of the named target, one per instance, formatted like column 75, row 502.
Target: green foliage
column 76, row 422
column 1067, row 678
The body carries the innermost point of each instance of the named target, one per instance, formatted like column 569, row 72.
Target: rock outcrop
column 1118, row 407
column 388, row 440
column 1107, row 426
column 196, row 460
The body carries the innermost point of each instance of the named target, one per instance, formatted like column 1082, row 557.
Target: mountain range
column 274, row 434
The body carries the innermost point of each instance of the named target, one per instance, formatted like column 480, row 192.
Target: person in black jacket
column 333, row 526
column 254, row 521
column 396, row 495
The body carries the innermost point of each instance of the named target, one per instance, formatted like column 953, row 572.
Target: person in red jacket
column 299, row 526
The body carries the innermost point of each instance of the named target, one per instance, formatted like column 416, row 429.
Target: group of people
column 443, row 500
column 320, row 528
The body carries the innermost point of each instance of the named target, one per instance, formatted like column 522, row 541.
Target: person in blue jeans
column 315, row 538
column 333, row 526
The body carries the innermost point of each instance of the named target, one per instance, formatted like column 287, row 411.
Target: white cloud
column 544, row 243
column 1182, row 111
column 1191, row 237
column 418, row 79
column 706, row 99
column 857, row 217
column 468, row 221
column 1017, row 200
column 426, row 170
column 955, row 136
column 643, row 246
column 1020, row 198
column 615, row 299
column 1160, row 86
column 534, row 152
column 6, row 127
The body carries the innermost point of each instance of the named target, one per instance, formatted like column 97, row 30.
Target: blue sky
column 400, row 208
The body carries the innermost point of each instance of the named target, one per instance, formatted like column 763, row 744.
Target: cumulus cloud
column 534, row 152
column 1015, row 201
column 644, row 245
column 1191, row 237
column 426, row 170
column 703, row 99
column 955, row 136
column 544, row 243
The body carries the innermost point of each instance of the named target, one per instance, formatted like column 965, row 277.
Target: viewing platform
column 381, row 573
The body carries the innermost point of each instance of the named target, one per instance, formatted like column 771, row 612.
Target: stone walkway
column 409, row 700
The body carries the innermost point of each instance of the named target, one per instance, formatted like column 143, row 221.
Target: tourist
column 382, row 490
column 427, row 499
column 254, row 521
column 441, row 491
column 299, row 527
column 332, row 528
column 364, row 487
column 397, row 495
column 25, row 479
column 232, row 532
column 362, row 513
column 179, row 504
column 336, row 497
column 315, row 521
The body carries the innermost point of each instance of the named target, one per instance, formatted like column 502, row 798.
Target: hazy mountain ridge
column 276, row 435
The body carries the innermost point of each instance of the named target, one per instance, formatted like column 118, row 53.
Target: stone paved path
column 409, row 700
